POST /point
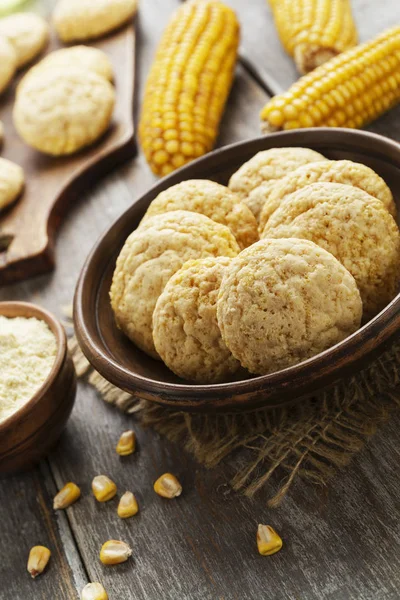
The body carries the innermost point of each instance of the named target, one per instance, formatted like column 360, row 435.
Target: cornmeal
column 27, row 33
column 333, row 171
column 11, row 182
column 212, row 200
column 150, row 256
column 8, row 63
column 283, row 301
column 185, row 329
column 61, row 112
column 355, row 227
column 266, row 166
column 76, row 20
column 27, row 353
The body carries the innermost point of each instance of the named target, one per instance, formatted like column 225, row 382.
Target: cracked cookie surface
column 329, row 171
column 28, row 33
column 8, row 63
column 355, row 227
column 61, row 112
column 185, row 329
column 212, row 200
column 283, row 301
column 150, row 256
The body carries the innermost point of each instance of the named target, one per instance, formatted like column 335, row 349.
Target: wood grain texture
column 340, row 544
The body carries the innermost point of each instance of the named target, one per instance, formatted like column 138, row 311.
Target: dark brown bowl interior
column 117, row 359
column 28, row 434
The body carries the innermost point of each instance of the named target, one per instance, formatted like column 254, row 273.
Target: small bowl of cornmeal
column 37, row 384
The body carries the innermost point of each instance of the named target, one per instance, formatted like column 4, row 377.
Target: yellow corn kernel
column 103, row 488
column 128, row 506
column 114, row 552
column 39, row 556
column 313, row 31
column 268, row 541
column 188, row 84
column 66, row 496
column 94, row 591
column 168, row 486
column 127, row 443
column 350, row 90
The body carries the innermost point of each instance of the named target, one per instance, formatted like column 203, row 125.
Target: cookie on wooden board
column 79, row 20
column 8, row 63
column 329, row 171
column 150, row 256
column 283, row 301
column 185, row 328
column 355, row 227
column 28, row 33
column 11, row 182
column 212, row 200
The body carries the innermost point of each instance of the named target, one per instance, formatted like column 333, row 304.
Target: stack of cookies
column 196, row 287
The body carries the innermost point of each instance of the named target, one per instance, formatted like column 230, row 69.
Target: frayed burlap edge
column 310, row 440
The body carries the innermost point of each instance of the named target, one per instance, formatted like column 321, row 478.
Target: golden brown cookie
column 333, row 171
column 185, row 329
column 213, row 200
column 61, row 112
column 150, row 256
column 28, row 33
column 76, row 20
column 283, row 301
column 355, row 227
column 8, row 63
column 268, row 165
column 11, row 182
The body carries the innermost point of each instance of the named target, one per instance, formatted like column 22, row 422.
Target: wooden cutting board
column 28, row 228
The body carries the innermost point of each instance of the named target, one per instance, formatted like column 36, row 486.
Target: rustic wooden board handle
column 27, row 230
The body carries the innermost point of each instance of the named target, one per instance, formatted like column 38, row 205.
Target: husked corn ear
column 268, row 541
column 313, row 31
column 39, row 556
column 350, row 90
column 66, row 496
column 128, row 506
column 94, row 591
column 127, row 443
column 168, row 486
column 114, row 552
column 103, row 488
column 189, row 84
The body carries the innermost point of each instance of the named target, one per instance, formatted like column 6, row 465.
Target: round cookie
column 60, row 113
column 185, row 329
column 11, row 182
column 150, row 256
column 355, row 227
column 268, row 165
column 82, row 57
column 283, row 301
column 76, row 20
column 8, row 63
column 332, row 171
column 27, row 33
column 213, row 200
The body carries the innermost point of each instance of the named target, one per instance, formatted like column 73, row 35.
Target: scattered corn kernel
column 114, row 552
column 127, row 443
column 103, row 488
column 66, row 496
column 268, row 541
column 39, row 556
column 94, row 591
column 168, row 486
column 128, row 506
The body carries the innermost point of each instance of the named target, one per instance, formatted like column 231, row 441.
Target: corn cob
column 189, row 84
column 350, row 90
column 313, row 31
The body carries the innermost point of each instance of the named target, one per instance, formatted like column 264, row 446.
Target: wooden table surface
column 339, row 544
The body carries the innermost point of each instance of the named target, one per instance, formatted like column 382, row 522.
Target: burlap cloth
column 310, row 440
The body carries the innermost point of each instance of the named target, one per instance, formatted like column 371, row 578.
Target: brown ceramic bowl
column 28, row 434
column 119, row 361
